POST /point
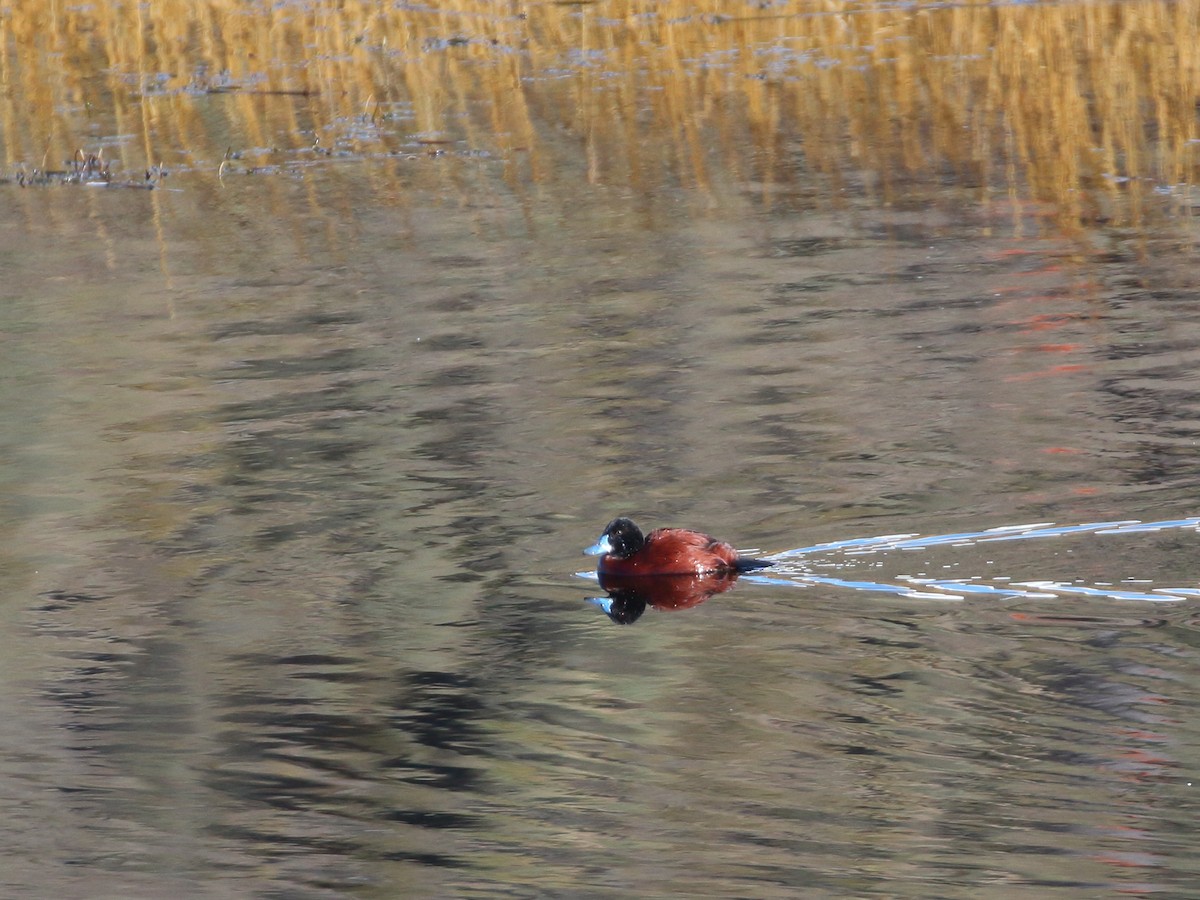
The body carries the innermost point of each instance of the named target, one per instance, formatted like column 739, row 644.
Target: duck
column 625, row 551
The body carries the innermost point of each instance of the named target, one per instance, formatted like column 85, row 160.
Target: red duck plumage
column 623, row 550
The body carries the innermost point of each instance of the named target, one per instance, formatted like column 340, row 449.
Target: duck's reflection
column 628, row 596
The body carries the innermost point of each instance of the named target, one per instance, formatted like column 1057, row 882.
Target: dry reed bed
column 1062, row 103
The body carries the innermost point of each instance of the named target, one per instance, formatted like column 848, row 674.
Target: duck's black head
column 621, row 538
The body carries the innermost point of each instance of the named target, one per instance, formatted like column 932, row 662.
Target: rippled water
column 292, row 522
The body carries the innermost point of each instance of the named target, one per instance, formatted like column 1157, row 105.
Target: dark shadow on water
column 628, row 597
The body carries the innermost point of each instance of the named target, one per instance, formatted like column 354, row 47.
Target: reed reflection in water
column 1086, row 108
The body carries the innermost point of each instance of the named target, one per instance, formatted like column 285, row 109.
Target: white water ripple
column 787, row 568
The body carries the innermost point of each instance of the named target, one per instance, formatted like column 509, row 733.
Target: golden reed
column 1087, row 107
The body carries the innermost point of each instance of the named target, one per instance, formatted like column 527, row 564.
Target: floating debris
column 87, row 169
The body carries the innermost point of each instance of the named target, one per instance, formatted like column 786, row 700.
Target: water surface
column 298, row 464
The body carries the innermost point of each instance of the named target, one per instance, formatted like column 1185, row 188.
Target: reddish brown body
column 624, row 551
column 673, row 551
